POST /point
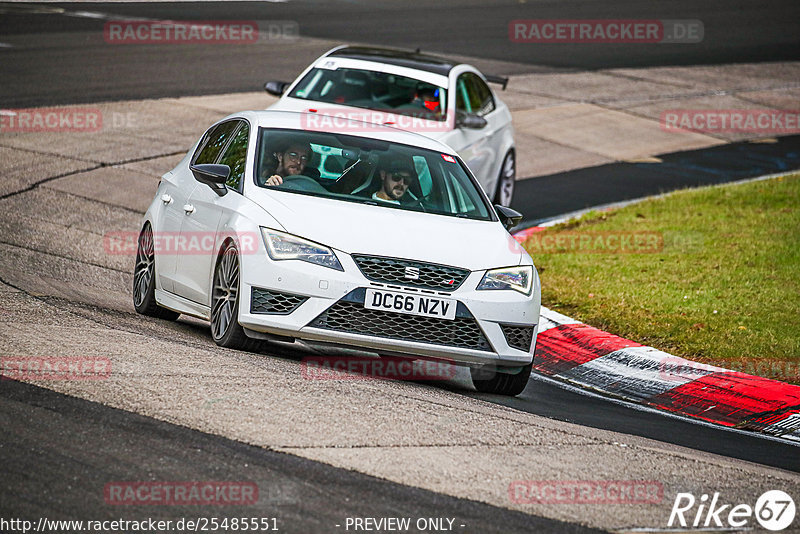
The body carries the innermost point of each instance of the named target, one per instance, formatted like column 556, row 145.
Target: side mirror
column 510, row 218
column 214, row 176
column 276, row 88
column 469, row 120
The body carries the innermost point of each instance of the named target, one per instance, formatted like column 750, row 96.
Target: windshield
column 373, row 90
column 369, row 171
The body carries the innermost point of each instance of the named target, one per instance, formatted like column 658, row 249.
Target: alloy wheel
column 226, row 290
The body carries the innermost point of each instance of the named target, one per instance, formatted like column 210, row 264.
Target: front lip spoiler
column 395, row 347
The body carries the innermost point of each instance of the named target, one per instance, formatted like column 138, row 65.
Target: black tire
column 504, row 192
column 488, row 381
column 225, row 328
column 144, row 279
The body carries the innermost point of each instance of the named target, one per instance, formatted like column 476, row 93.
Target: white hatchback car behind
column 445, row 100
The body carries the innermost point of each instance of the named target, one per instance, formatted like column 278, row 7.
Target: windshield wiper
column 340, row 185
column 348, row 169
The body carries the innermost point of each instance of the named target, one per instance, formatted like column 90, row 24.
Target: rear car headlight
column 283, row 246
column 518, row 278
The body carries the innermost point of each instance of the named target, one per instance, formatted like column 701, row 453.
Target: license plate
column 410, row 304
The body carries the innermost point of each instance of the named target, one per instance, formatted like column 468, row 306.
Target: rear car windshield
column 373, row 90
column 358, row 169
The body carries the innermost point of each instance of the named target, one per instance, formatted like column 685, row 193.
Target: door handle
column 188, row 208
column 166, row 199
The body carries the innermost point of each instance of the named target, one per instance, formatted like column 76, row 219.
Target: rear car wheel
column 225, row 328
column 144, row 279
column 490, row 381
column 506, row 181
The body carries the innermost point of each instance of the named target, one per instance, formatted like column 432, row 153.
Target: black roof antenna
column 418, row 50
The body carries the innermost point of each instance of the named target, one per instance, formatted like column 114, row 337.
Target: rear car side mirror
column 469, row 120
column 213, row 175
column 510, row 218
column 276, row 88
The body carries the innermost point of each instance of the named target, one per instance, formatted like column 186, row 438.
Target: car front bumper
column 306, row 301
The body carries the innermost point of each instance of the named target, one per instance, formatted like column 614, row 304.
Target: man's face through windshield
column 395, row 183
column 293, row 160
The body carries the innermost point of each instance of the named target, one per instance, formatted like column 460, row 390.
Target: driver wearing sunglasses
column 398, row 175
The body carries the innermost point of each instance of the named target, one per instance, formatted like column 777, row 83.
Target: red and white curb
column 591, row 359
column 581, row 355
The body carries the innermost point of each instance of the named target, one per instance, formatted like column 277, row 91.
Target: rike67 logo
column 774, row 510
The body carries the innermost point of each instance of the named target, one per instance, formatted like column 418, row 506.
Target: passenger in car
column 427, row 97
column 395, row 179
column 291, row 159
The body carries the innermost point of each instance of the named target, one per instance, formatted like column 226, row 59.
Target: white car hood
column 382, row 231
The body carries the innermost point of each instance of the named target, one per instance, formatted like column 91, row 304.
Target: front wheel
column 506, row 181
column 489, row 381
column 225, row 328
column 144, row 279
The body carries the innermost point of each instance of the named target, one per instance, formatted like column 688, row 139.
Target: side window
column 484, row 96
column 235, row 157
column 473, row 95
column 214, row 141
column 480, row 96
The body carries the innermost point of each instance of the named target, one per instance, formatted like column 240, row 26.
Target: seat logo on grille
column 412, row 273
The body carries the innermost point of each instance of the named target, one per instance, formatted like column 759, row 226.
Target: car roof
column 325, row 124
column 396, row 56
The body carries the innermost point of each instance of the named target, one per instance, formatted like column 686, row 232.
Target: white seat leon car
column 392, row 247
column 446, row 100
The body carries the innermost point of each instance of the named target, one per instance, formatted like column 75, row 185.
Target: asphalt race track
column 183, row 409
column 86, row 70
column 41, row 427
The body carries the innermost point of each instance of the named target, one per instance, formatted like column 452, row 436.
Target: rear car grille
column 353, row 317
column 274, row 302
column 518, row 337
column 411, row 273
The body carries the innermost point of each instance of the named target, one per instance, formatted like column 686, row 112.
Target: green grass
column 723, row 289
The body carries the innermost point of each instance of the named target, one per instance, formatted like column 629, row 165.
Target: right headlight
column 283, row 246
column 518, row 278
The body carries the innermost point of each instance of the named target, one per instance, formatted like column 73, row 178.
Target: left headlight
column 283, row 246
column 518, row 278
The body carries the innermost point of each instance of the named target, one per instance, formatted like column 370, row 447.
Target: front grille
column 518, row 337
column 273, row 302
column 393, row 270
column 352, row 317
